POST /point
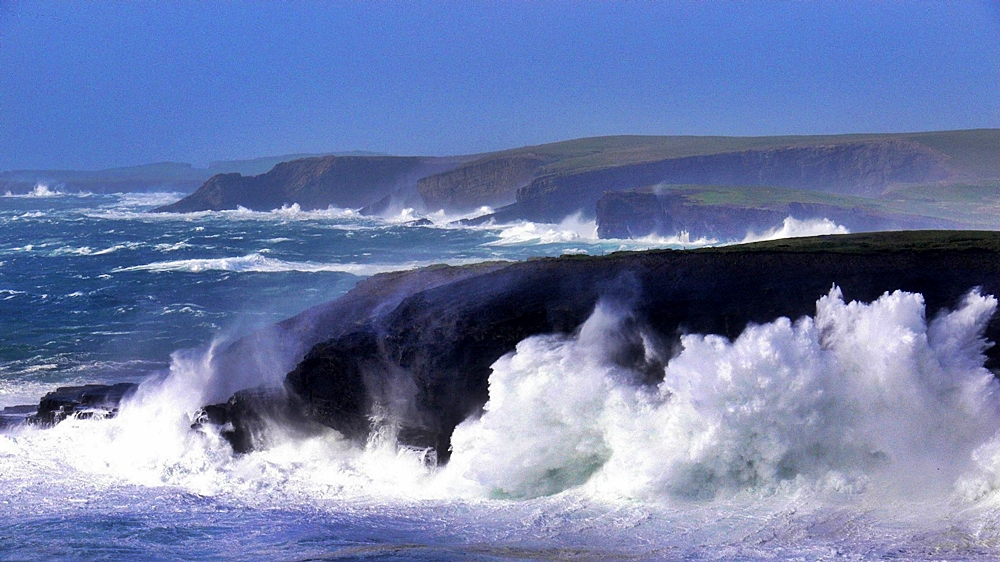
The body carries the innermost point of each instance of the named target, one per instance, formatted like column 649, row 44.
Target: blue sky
column 93, row 85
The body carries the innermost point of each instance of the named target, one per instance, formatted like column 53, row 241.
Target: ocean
column 866, row 431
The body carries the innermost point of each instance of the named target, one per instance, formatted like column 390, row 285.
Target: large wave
column 861, row 396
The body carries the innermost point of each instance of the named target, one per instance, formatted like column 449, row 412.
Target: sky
column 92, row 85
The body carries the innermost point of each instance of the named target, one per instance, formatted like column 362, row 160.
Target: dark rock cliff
column 852, row 168
column 424, row 360
column 267, row 355
column 490, row 181
column 313, row 183
column 632, row 214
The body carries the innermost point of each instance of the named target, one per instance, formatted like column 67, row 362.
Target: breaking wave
column 41, row 190
column 860, row 397
column 571, row 229
column 259, row 263
column 795, row 228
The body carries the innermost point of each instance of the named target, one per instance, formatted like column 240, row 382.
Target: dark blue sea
column 866, row 431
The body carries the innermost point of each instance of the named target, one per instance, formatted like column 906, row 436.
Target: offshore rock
column 82, row 402
column 424, row 360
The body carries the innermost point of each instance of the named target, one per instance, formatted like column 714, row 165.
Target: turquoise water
column 891, row 423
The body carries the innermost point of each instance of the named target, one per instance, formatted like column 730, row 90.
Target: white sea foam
column 861, row 400
column 861, row 397
column 152, row 199
column 800, row 440
column 795, row 228
column 88, row 251
column 42, row 190
column 259, row 263
column 165, row 247
column 680, row 240
column 136, row 209
column 571, row 229
column 7, row 294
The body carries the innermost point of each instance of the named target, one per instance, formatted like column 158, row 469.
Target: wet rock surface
column 83, row 402
column 426, row 361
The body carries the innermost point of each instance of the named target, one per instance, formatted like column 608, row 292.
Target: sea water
column 865, row 430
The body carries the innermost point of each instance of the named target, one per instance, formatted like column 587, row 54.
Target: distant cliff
column 313, row 183
column 488, row 181
column 547, row 182
column 634, row 214
column 864, row 168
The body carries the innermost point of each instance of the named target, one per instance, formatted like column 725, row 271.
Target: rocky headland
column 666, row 212
column 414, row 349
column 549, row 182
column 315, row 183
column 421, row 359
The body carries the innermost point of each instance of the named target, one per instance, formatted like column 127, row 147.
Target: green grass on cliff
column 975, row 205
column 763, row 197
column 975, row 153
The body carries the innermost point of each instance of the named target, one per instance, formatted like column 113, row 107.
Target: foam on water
column 855, row 430
column 571, row 229
column 795, row 228
column 861, row 397
column 259, row 263
column 135, row 207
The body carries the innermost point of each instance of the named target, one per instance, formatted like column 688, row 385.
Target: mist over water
column 866, row 430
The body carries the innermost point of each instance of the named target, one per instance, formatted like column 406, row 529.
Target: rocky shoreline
column 415, row 348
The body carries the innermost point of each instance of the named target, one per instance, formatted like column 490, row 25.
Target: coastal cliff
column 864, row 168
column 550, row 181
column 422, row 361
column 313, row 183
column 667, row 212
column 489, row 181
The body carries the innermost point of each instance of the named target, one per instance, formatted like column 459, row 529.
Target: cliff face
column 313, row 183
column 631, row 214
column 425, row 359
column 852, row 168
column 548, row 182
column 490, row 181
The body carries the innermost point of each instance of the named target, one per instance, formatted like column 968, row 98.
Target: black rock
column 245, row 420
column 425, row 362
column 81, row 401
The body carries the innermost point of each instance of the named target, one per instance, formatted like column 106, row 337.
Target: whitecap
column 795, row 228
column 259, row 263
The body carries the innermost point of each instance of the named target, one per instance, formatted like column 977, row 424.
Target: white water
column 857, row 430
column 795, row 228
column 259, row 263
column 861, row 399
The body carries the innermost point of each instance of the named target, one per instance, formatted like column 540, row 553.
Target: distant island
column 641, row 185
